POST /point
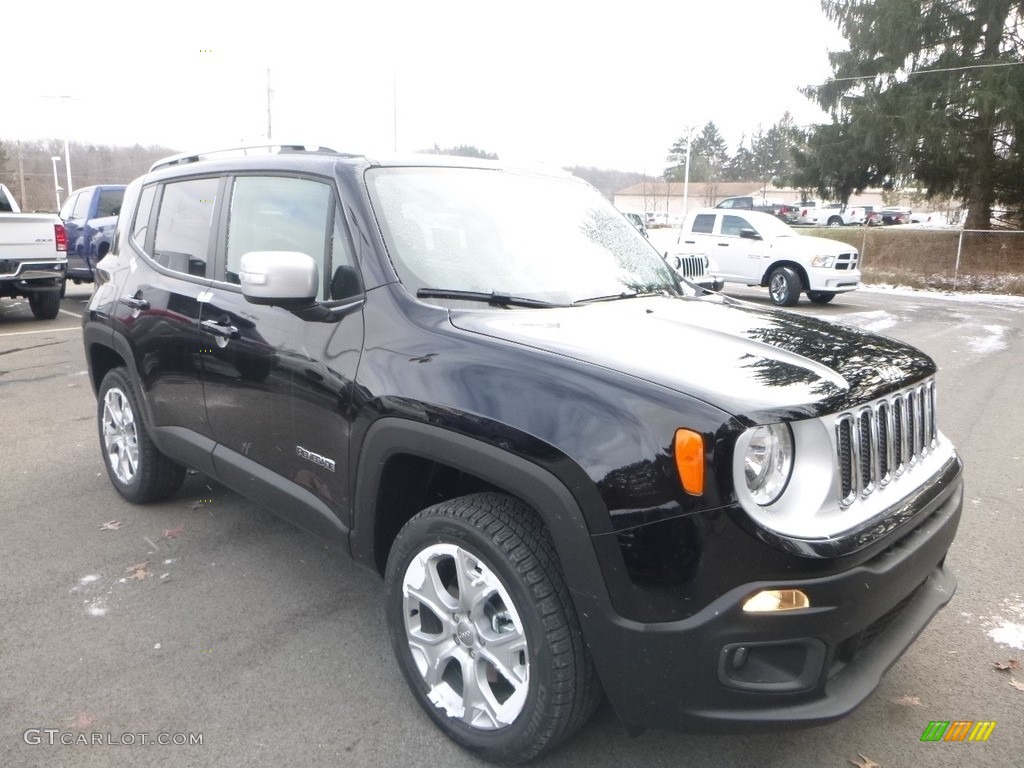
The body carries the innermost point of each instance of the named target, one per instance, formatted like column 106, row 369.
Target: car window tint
column 704, row 223
column 110, row 202
column 141, row 225
column 183, row 225
column 279, row 213
column 731, row 225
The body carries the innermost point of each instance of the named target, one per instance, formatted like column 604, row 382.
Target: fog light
column 772, row 600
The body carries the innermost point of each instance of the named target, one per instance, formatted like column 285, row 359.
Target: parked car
column 762, row 205
column 895, row 215
column 637, row 221
column 864, row 215
column 577, row 474
column 89, row 216
column 757, row 249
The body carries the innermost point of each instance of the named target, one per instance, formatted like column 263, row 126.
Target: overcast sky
column 607, row 85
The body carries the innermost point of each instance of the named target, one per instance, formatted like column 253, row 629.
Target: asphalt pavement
column 205, row 618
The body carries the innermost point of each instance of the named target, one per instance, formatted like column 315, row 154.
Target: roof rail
column 195, row 157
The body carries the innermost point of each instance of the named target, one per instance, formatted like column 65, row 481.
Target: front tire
column 821, row 297
column 137, row 470
column 44, row 305
column 484, row 629
column 784, row 286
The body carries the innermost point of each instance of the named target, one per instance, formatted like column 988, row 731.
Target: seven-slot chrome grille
column 881, row 441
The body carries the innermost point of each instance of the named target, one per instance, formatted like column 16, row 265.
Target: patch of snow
column 967, row 298
column 89, row 579
column 1009, row 634
column 992, row 343
column 876, row 321
column 97, row 608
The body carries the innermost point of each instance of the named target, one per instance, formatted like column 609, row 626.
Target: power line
column 925, row 71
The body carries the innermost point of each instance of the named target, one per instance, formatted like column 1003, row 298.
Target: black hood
column 741, row 358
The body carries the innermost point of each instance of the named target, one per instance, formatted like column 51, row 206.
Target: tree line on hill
column 27, row 168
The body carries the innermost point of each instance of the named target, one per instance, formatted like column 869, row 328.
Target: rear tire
column 137, row 470
column 821, row 297
column 44, row 305
column 484, row 629
column 784, row 286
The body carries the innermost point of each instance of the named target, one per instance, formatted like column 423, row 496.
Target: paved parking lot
column 207, row 616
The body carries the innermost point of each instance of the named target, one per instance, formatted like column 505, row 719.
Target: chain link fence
column 938, row 259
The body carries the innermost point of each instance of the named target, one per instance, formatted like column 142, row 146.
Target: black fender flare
column 552, row 500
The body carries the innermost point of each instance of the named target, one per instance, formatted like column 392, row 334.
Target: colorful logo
column 958, row 730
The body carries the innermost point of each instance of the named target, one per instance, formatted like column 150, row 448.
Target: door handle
column 220, row 327
column 723, row 245
column 135, row 302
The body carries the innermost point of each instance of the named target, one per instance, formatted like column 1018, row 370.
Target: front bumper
column 724, row 668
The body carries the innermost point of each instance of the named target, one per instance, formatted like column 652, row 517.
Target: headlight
column 823, row 261
column 768, row 462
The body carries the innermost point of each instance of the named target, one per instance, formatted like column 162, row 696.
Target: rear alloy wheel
column 784, row 286
column 835, row 221
column 821, row 297
column 44, row 305
column 138, row 471
column 484, row 629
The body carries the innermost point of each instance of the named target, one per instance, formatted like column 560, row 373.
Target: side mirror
column 283, row 278
column 749, row 234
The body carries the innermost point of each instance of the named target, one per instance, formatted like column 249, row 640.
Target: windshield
column 524, row 235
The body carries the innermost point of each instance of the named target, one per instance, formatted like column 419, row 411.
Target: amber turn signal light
column 689, row 452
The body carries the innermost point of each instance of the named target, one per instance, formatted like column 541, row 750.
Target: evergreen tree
column 709, row 155
column 930, row 90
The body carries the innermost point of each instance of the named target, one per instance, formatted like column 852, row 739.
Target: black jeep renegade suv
column 578, row 474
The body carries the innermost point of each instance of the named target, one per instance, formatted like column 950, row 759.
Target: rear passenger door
column 278, row 387
column 158, row 310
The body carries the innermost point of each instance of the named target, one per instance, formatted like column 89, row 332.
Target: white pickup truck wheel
column 784, row 286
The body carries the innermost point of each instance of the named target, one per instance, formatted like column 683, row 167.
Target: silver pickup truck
column 33, row 256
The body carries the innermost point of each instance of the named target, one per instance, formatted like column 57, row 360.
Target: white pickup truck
column 33, row 256
column 758, row 249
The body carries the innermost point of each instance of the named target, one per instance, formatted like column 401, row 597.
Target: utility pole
column 21, row 176
column 686, row 180
column 268, row 104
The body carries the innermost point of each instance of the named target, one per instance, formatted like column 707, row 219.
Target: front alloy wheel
column 466, row 637
column 484, row 629
column 784, row 286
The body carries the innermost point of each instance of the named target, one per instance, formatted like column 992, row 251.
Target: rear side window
column 704, row 223
column 140, row 228
column 280, row 213
column 182, row 240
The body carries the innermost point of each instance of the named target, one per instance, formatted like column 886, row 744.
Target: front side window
column 279, row 213
column 527, row 235
column 732, row 225
column 183, row 224
column 109, row 203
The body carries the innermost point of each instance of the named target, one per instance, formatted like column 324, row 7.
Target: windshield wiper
column 616, row 297
column 496, row 298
